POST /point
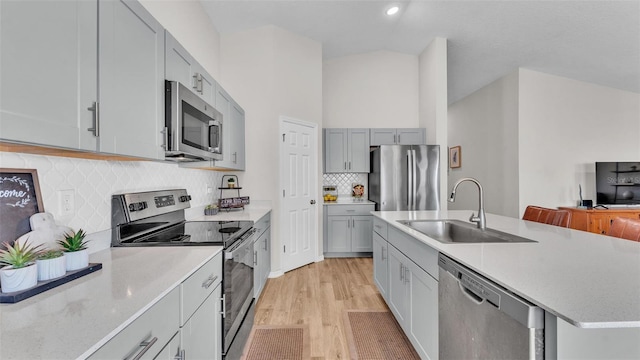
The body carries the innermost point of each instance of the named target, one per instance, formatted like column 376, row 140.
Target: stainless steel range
column 156, row 218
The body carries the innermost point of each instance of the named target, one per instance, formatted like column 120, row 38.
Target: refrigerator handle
column 409, row 179
column 414, row 180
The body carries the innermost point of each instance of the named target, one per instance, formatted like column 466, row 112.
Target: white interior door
column 298, row 177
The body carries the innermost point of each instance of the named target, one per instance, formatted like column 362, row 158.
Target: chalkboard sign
column 19, row 199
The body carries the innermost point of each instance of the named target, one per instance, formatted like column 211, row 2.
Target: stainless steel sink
column 455, row 231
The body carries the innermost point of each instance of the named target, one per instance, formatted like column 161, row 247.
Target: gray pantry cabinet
column 348, row 230
column 406, row 272
column 346, row 150
column 51, row 78
column 185, row 323
column 262, row 254
column 409, row 136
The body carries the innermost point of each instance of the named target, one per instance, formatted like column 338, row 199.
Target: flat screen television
column 618, row 183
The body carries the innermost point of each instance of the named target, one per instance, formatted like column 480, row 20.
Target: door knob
column 312, row 202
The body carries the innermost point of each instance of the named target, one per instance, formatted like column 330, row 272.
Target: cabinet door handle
column 255, row 257
column 146, row 345
column 265, row 244
column 235, row 157
column 95, row 109
column 180, row 356
column 197, row 82
column 345, row 165
column 394, row 139
column 401, row 272
column 382, row 254
column 398, row 139
column 349, row 165
column 406, row 274
column 209, row 281
column 165, row 132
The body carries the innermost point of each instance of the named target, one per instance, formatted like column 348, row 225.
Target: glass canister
column 330, row 193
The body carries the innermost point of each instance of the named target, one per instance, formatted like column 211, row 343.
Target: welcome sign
column 19, row 199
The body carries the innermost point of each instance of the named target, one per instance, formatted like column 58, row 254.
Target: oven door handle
column 223, row 313
column 246, row 237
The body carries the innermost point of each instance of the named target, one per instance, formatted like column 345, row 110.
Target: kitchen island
column 590, row 282
column 75, row 319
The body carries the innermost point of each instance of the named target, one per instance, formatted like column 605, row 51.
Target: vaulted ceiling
column 593, row 41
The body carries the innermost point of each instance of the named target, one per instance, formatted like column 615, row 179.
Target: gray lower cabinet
column 185, row 323
column 262, row 256
column 63, row 98
column 348, row 230
column 410, row 286
column 381, row 265
column 409, row 136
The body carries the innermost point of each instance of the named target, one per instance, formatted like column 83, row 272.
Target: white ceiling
column 593, row 41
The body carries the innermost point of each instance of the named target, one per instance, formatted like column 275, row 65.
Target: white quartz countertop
column 589, row 280
column 348, row 200
column 75, row 319
column 248, row 214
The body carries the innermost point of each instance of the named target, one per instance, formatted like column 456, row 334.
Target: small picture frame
column 19, row 199
column 455, row 157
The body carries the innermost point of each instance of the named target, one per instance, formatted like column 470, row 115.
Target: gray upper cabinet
column 182, row 67
column 83, row 75
column 411, row 136
column 131, row 72
column 346, row 150
column 48, row 72
column 233, row 153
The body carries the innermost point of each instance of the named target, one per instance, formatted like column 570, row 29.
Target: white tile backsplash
column 94, row 181
column 344, row 180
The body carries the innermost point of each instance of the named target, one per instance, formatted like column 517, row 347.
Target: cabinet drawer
column 156, row 326
column 198, row 286
column 350, row 209
column 420, row 253
column 380, row 226
column 263, row 224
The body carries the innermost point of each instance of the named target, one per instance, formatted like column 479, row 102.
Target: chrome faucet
column 481, row 219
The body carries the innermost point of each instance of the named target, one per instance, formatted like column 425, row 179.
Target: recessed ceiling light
column 392, row 10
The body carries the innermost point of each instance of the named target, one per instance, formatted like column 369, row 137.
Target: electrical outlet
column 209, row 189
column 67, row 202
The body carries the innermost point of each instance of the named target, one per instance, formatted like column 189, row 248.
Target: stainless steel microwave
column 193, row 128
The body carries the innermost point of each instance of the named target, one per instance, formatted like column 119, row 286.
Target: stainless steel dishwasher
column 480, row 320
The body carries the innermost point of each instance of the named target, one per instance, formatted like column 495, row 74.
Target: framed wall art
column 455, row 157
column 19, row 199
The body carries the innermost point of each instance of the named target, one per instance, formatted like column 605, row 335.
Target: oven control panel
column 165, row 200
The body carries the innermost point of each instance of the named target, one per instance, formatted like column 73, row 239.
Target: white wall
column 188, row 22
column 565, row 127
column 371, row 90
column 433, row 104
column 271, row 73
column 532, row 138
column 485, row 125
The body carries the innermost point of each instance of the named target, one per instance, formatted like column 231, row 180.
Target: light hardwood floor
column 317, row 295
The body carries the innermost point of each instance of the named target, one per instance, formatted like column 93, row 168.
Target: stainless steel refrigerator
column 405, row 177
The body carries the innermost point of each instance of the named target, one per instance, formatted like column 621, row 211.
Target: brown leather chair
column 625, row 228
column 559, row 218
column 547, row 216
column 532, row 213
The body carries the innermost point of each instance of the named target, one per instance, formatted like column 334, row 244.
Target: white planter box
column 77, row 259
column 51, row 268
column 12, row 280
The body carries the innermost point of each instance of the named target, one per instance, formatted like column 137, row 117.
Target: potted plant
column 231, row 182
column 51, row 264
column 211, row 209
column 75, row 250
column 21, row 271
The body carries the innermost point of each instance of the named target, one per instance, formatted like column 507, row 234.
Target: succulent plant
column 212, row 206
column 74, row 241
column 19, row 255
column 50, row 254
